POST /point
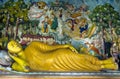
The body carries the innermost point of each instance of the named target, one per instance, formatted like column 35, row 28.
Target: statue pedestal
column 58, row 75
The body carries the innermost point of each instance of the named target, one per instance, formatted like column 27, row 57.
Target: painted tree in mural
column 105, row 17
column 1, row 18
column 14, row 12
column 22, row 10
column 34, row 24
column 6, row 16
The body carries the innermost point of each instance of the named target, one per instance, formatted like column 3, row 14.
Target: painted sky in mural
column 77, row 3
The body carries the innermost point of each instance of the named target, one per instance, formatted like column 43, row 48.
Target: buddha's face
column 14, row 47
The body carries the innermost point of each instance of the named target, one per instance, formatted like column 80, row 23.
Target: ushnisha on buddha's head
column 14, row 47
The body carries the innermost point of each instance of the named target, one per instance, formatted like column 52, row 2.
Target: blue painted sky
column 77, row 3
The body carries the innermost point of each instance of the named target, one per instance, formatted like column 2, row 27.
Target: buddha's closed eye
column 13, row 45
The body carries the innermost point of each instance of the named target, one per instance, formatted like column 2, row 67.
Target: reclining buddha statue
column 38, row 56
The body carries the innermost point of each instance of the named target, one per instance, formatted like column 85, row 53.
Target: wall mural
column 58, row 35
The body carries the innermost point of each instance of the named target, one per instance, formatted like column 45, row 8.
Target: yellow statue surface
column 38, row 56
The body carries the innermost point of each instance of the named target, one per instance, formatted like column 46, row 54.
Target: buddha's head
column 14, row 47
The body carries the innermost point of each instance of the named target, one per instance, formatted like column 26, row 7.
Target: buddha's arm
column 46, row 48
column 19, row 64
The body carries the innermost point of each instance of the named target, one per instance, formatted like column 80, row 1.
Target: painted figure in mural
column 54, row 24
column 93, row 48
column 60, row 13
column 45, row 25
column 83, row 25
column 73, row 22
column 41, row 5
column 39, row 56
column 82, row 29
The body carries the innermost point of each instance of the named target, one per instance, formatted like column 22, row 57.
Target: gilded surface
column 42, row 57
column 53, row 36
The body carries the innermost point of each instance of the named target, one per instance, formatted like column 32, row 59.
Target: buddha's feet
column 112, row 66
column 108, row 61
